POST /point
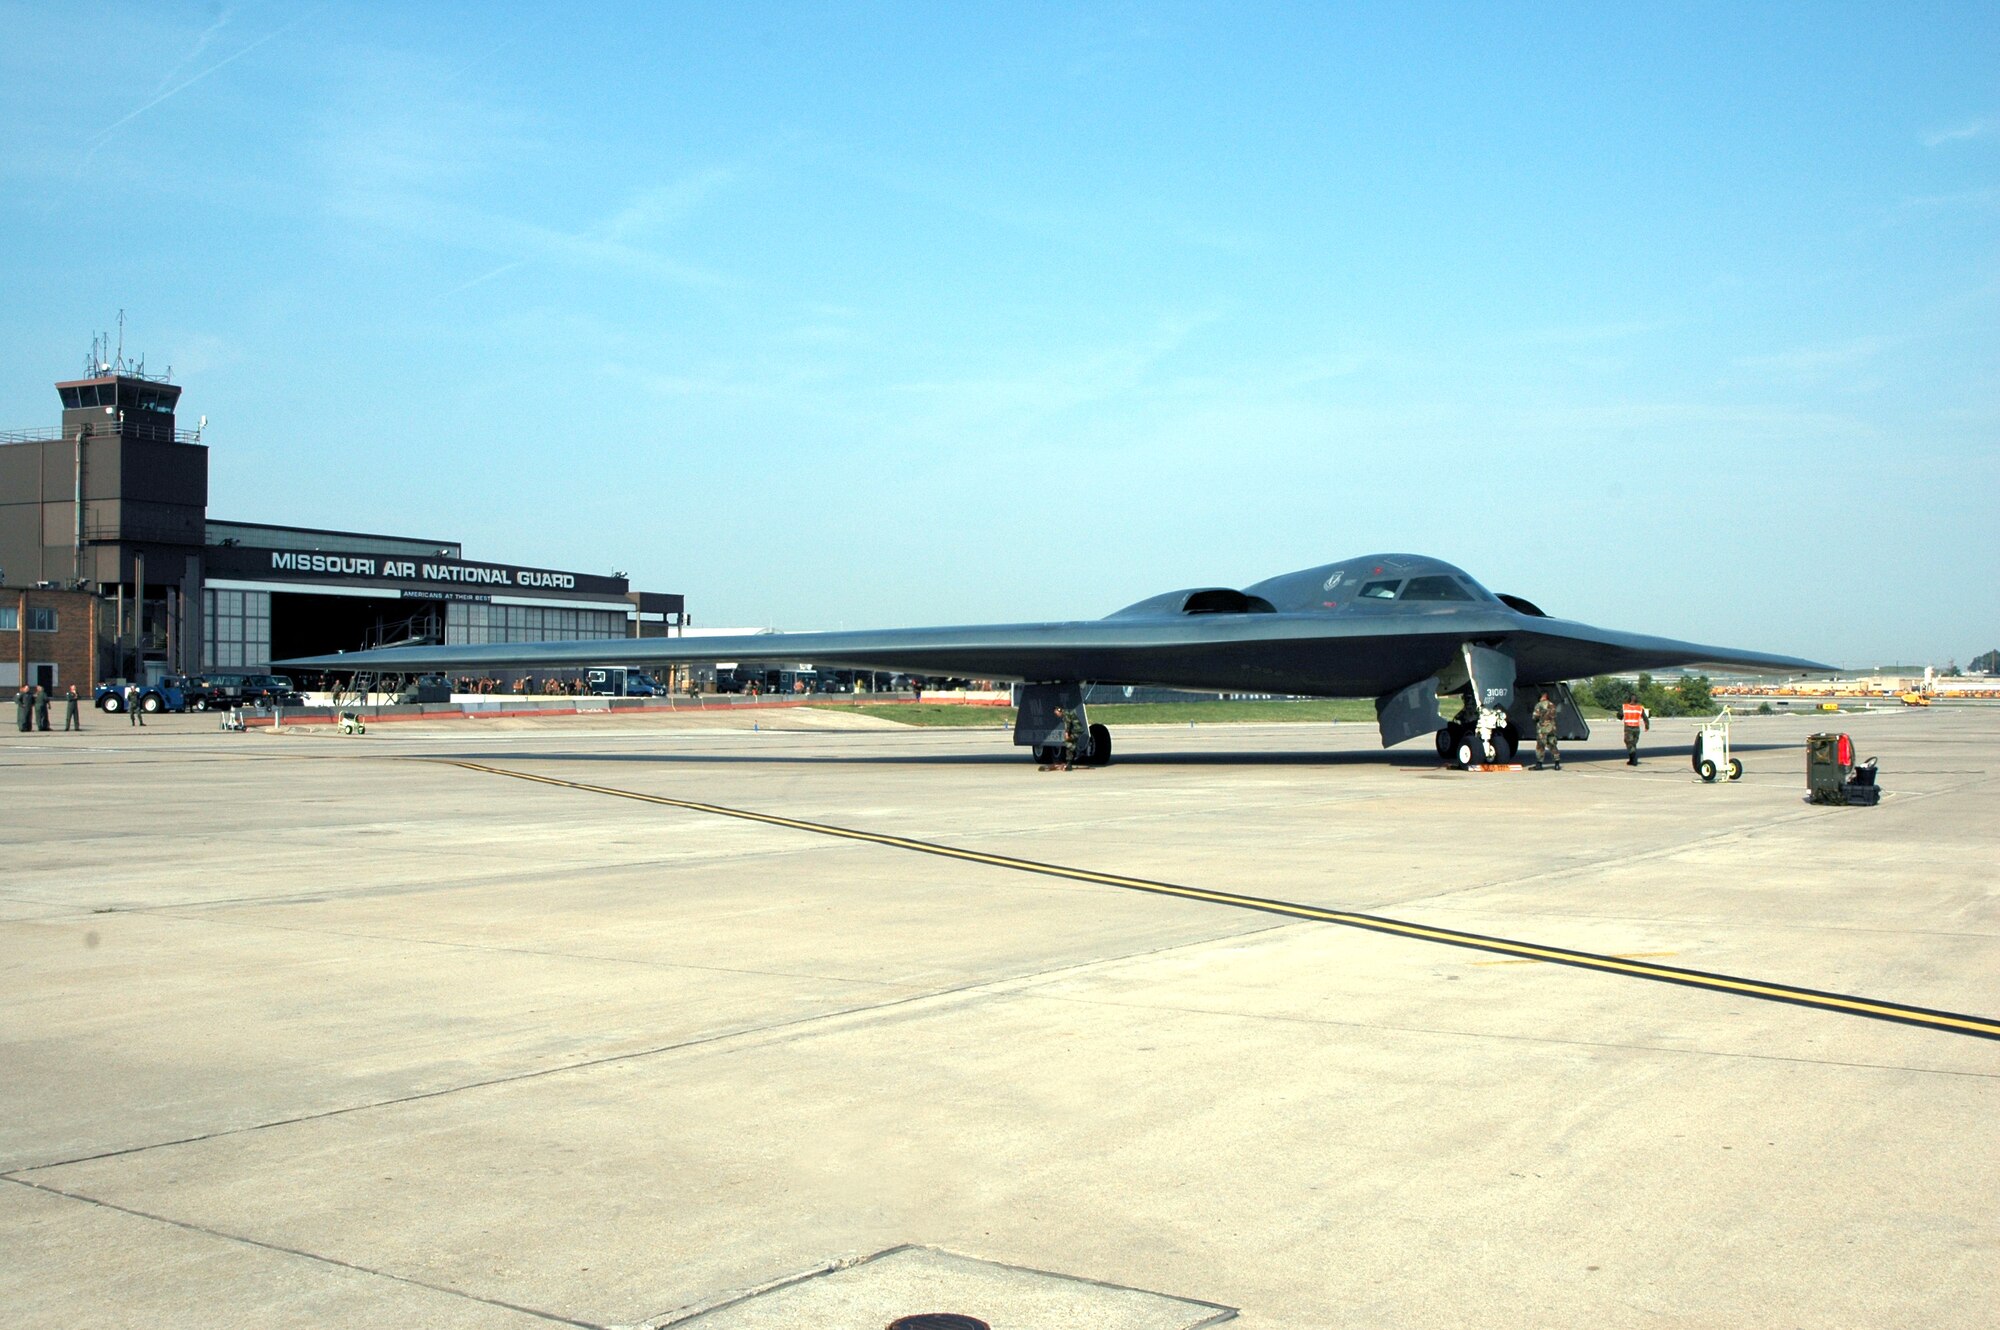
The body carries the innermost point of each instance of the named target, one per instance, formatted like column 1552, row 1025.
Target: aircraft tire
column 1447, row 740
column 1047, row 755
column 1100, row 746
column 1470, row 753
column 1503, row 747
column 1707, row 770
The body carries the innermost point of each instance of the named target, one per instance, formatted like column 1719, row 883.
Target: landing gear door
column 1570, row 723
column 1036, row 724
column 1409, row 713
column 1492, row 677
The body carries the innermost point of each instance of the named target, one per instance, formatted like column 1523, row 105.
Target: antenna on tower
column 119, row 363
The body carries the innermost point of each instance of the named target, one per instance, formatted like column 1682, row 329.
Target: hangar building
column 114, row 503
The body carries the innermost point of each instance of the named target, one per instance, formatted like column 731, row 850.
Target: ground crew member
column 71, row 721
column 1071, row 731
column 133, row 715
column 41, row 709
column 24, row 708
column 1635, row 717
column 1545, row 734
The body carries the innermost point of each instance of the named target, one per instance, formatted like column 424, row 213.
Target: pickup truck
column 166, row 695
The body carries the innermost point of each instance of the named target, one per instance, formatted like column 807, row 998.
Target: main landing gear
column 1097, row 755
column 1039, row 729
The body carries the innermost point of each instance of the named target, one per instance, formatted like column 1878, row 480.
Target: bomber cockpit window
column 1379, row 590
column 1435, row 588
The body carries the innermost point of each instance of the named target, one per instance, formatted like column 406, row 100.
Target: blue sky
column 1684, row 319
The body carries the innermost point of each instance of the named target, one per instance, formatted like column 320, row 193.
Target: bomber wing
column 1547, row 650
column 1322, row 654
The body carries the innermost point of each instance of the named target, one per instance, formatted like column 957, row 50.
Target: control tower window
column 1379, row 590
column 1435, row 588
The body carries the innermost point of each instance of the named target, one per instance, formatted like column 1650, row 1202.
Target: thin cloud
column 609, row 243
column 1965, row 198
column 1821, row 359
column 1972, row 129
column 663, row 206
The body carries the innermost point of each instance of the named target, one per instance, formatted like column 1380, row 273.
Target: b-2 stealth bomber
column 1402, row 629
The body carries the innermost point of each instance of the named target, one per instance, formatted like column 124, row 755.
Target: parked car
column 270, row 690
column 221, row 690
column 199, row 696
column 247, row 690
column 161, row 696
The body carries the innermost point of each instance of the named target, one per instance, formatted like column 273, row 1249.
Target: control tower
column 114, row 501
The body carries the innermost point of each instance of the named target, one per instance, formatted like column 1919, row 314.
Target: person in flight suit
column 1635, row 717
column 71, row 721
column 41, row 709
column 1545, row 734
column 24, row 709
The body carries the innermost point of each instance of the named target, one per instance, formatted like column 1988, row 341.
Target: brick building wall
column 29, row 653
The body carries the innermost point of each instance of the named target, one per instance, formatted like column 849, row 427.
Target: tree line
column 1689, row 695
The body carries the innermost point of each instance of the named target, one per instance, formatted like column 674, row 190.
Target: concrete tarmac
column 301, row 1030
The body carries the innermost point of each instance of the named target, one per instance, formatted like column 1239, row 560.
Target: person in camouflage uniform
column 1072, row 736
column 1545, row 734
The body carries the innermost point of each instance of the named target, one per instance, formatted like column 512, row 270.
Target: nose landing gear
column 1492, row 742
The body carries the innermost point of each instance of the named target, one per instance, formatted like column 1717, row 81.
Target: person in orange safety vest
column 1636, row 718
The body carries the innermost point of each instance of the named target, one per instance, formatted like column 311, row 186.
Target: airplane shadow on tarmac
column 1413, row 760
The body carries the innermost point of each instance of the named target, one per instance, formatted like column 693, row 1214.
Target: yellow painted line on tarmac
column 1617, row 955
column 1983, row 1027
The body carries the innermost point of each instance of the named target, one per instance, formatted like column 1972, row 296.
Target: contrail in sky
column 483, row 277
column 200, row 45
column 183, row 85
